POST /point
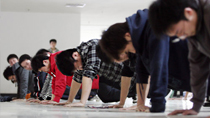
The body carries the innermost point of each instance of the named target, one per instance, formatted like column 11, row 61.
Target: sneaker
column 134, row 99
column 95, row 98
column 169, row 94
column 206, row 104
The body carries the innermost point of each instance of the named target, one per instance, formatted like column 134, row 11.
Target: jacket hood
column 136, row 24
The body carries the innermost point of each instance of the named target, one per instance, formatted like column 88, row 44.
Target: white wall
column 27, row 32
column 91, row 32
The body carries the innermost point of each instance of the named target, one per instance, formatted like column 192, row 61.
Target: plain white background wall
column 91, row 32
column 27, row 32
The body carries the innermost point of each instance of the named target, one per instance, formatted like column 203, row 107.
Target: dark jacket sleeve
column 199, row 67
column 158, row 58
column 142, row 73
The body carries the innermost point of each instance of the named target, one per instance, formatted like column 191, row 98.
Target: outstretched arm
column 125, row 85
column 86, row 88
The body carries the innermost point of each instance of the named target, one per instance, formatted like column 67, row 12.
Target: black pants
column 179, row 85
column 5, row 98
column 109, row 91
column 78, row 95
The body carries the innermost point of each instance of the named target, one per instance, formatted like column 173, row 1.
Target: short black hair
column 23, row 58
column 8, row 72
column 164, row 13
column 53, row 40
column 113, row 40
column 102, row 55
column 12, row 56
column 42, row 51
column 65, row 62
column 37, row 62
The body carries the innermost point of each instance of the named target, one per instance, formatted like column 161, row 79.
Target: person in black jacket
column 136, row 36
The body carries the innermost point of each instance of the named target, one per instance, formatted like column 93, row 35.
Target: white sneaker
column 95, row 98
column 169, row 94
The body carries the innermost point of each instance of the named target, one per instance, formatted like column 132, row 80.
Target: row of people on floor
column 134, row 51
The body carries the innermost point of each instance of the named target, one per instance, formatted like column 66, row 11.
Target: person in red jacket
column 47, row 64
column 60, row 82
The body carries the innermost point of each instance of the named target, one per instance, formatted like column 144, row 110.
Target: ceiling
column 96, row 12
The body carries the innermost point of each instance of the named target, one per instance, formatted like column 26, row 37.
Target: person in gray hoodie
column 24, row 77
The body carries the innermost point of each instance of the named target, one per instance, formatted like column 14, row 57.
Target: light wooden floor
column 21, row 109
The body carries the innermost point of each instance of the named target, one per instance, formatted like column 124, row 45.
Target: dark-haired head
column 12, row 59
column 8, row 74
column 113, row 40
column 43, row 52
column 164, row 15
column 53, row 40
column 25, row 61
column 39, row 61
column 65, row 62
column 102, row 55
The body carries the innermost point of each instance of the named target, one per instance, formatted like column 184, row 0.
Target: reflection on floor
column 21, row 109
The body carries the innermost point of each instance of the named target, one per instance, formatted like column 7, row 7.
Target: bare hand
column 28, row 100
column 78, row 104
column 34, row 100
column 142, row 108
column 208, row 117
column 117, row 106
column 44, row 102
column 51, row 102
column 130, row 108
column 62, row 104
column 184, row 112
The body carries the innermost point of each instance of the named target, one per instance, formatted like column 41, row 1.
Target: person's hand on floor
column 34, row 100
column 77, row 104
column 142, row 108
column 51, row 102
column 44, row 101
column 117, row 106
column 30, row 99
column 130, row 108
column 63, row 103
column 184, row 112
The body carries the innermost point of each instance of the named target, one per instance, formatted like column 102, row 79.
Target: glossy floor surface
column 21, row 109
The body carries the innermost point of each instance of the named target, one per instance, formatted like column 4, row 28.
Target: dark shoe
column 134, row 99
column 207, row 104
